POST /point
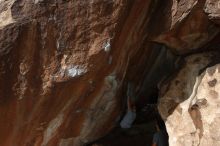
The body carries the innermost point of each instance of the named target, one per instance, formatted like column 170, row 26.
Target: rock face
column 188, row 28
column 190, row 105
column 61, row 65
column 56, row 85
column 64, row 65
column 212, row 8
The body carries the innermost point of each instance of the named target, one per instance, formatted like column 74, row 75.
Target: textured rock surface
column 190, row 103
column 56, row 87
column 212, row 8
column 60, row 68
column 64, row 64
column 188, row 27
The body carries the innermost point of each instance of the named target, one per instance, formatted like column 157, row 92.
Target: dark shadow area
column 146, row 98
column 140, row 135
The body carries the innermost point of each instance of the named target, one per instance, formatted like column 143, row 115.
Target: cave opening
column 147, row 77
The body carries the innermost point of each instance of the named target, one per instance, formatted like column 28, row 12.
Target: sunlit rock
column 189, row 102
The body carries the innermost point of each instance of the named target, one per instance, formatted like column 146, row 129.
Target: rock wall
column 189, row 28
column 189, row 102
column 64, row 64
column 189, row 98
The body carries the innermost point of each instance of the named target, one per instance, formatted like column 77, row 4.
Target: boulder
column 188, row 27
column 189, row 102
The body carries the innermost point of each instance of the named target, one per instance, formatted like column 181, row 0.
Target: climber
column 160, row 138
column 130, row 115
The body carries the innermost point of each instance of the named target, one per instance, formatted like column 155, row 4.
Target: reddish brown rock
column 60, row 70
column 188, row 27
column 51, row 55
column 64, row 64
